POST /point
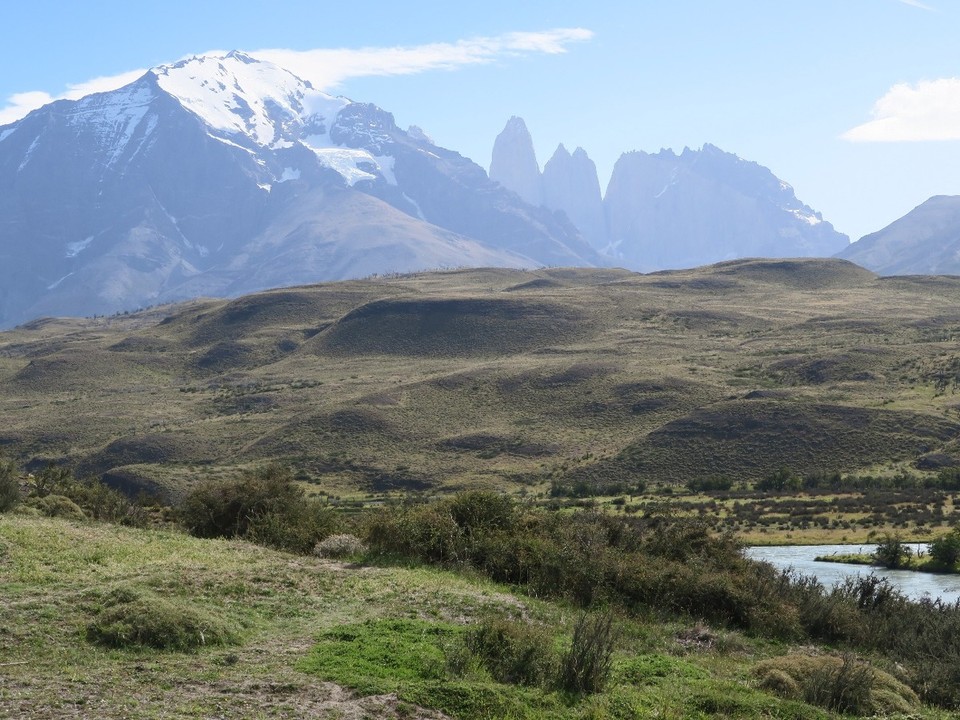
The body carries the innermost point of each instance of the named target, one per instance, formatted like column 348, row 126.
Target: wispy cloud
column 327, row 69
column 20, row 104
column 917, row 4
column 928, row 110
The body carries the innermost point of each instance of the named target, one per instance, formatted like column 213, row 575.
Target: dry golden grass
column 503, row 378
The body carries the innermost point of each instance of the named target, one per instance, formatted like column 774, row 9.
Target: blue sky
column 856, row 103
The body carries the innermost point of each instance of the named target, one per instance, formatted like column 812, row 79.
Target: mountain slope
column 925, row 241
column 670, row 211
column 119, row 199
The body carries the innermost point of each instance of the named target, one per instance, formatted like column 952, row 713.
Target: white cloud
column 928, row 110
column 328, row 68
column 20, row 104
column 917, row 4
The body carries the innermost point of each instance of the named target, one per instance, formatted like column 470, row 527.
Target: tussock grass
column 136, row 619
column 845, row 684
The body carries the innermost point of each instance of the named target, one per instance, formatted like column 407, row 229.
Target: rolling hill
column 501, row 377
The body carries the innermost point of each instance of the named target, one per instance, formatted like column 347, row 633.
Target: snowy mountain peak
column 240, row 95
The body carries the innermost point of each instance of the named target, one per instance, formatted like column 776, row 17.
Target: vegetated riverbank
column 476, row 601
column 895, row 554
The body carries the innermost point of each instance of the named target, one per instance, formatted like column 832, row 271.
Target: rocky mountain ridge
column 665, row 210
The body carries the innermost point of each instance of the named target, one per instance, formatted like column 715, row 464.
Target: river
column 801, row 558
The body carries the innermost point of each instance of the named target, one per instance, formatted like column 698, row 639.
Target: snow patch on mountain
column 114, row 118
column 8, row 132
column 28, row 153
column 806, row 217
column 56, row 284
column 241, row 98
column 75, row 248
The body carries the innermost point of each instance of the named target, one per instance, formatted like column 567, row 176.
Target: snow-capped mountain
column 222, row 175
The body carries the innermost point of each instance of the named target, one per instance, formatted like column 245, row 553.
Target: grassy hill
column 110, row 622
column 498, row 377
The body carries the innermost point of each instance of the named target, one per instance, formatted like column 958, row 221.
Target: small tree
column 945, row 550
column 891, row 552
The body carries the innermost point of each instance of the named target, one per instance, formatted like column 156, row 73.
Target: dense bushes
column 55, row 492
column 676, row 565
column 587, row 557
column 892, row 552
column 265, row 506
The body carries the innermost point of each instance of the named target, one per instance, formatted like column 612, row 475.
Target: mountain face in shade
column 925, row 241
column 663, row 210
column 570, row 183
column 674, row 211
column 514, row 162
column 221, row 175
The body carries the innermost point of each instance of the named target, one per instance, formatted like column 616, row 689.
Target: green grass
column 312, row 636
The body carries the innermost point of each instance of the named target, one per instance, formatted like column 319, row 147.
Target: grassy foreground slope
column 283, row 636
column 449, row 379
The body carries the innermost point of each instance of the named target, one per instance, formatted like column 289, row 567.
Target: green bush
column 891, row 552
column 945, row 550
column 266, row 507
column 9, row 486
column 58, row 506
column 514, row 652
column 132, row 618
column 97, row 500
column 586, row 665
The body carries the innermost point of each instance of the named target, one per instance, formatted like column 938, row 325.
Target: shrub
column 97, row 500
column 709, row 484
column 9, row 486
column 513, row 652
column 58, row 506
column 132, row 618
column 266, row 507
column 846, row 687
column 945, row 550
column 586, row 665
column 891, row 552
column 339, row 546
